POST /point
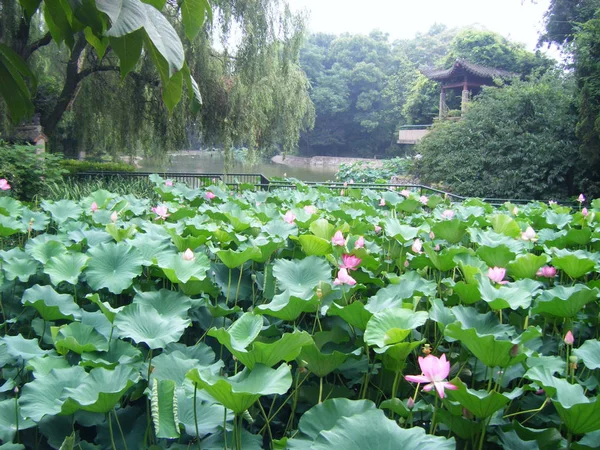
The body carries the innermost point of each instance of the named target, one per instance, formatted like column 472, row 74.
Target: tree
column 563, row 18
column 515, row 141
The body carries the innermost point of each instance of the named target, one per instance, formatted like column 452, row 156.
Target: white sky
column 517, row 20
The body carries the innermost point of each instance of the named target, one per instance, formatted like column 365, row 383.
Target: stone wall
column 330, row 161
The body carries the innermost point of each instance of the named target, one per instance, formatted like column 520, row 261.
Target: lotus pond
column 298, row 319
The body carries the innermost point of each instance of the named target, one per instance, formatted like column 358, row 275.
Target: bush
column 76, row 166
column 27, row 172
column 365, row 172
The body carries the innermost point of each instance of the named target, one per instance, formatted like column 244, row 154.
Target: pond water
column 213, row 162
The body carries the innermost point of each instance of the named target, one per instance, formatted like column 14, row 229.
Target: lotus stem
column 237, row 292
column 228, row 289
column 120, row 428
column 196, row 416
column 320, row 389
column 110, row 431
column 267, row 420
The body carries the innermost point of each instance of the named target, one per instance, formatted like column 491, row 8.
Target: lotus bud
column 448, row 214
column 381, row 202
column 585, row 212
column 437, row 248
column 514, row 351
column 417, row 246
column 114, row 216
column 423, row 199
column 581, row 198
column 319, row 293
column 168, row 183
column 569, row 339
column 345, row 184
column 377, row 229
column 406, row 263
column 515, row 211
column 431, row 235
column 188, row 255
column 16, row 390
column 410, row 404
column 94, row 207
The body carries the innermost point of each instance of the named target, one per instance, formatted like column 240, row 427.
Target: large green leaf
column 241, row 333
column 575, row 263
column 355, row 314
column 513, row 296
column 143, row 323
column 450, row 230
column 13, row 88
column 129, row 49
column 526, row 266
column 8, row 420
column 50, row 304
column 163, row 37
column 314, row 245
column 62, row 210
column 391, row 326
column 113, row 266
column 301, row 277
column 288, row 307
column 481, row 403
column 66, row 267
column 589, row 353
column 78, row 337
column 166, row 303
column 233, row 259
column 164, row 409
column 126, row 16
column 410, row 284
column 192, row 15
column 564, row 301
column 320, row 363
column 240, row 391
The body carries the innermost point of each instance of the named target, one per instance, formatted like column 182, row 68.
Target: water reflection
column 213, row 162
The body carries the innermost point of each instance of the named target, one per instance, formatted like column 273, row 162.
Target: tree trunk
column 69, row 90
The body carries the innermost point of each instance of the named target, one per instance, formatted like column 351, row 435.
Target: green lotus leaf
column 143, row 323
column 62, row 210
column 480, row 403
column 105, row 307
column 91, row 237
column 43, row 248
column 355, row 314
column 443, row 260
column 564, row 301
column 492, row 239
column 394, row 358
column 546, row 438
column 441, row 314
column 506, row 225
column 409, row 205
column 233, row 259
column 209, row 417
column 484, row 323
column 78, row 338
column 399, row 231
column 37, row 220
column 19, row 265
column 554, row 364
column 100, row 390
column 46, row 395
column 372, row 430
column 10, row 226
column 8, row 421
column 165, row 302
column 410, row 284
column 267, row 247
column 240, row 391
column 21, row 348
column 314, row 245
column 579, row 413
column 322, row 229
column 288, row 307
column 467, row 293
column 301, row 277
column 164, row 409
column 552, row 238
column 150, row 247
column 391, row 326
column 100, row 196
column 41, row 366
column 119, row 353
column 120, row 234
column 179, row 270
column 324, row 416
column 10, row 207
column 113, row 266
column 50, row 304
column 451, row 231
column 589, row 353
column 581, row 236
column 285, row 349
column 241, row 333
column 320, row 363
column 66, row 267
column 499, row 256
column 559, row 219
column 509, row 296
column 175, row 365
column 575, row 263
column 526, row 266
column 279, row 228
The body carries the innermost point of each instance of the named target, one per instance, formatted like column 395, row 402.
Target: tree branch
column 28, row 51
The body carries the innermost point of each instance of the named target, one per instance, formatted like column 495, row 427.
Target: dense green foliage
column 517, row 141
column 373, row 172
column 75, row 166
column 298, row 319
column 28, row 173
column 564, row 17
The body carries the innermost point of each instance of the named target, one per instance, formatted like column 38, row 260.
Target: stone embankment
column 330, row 161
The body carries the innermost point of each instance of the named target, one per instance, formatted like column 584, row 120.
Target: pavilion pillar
column 464, row 101
column 443, row 106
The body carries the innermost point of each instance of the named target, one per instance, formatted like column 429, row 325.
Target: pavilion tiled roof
column 475, row 69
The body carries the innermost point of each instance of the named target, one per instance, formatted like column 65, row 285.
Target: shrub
column 365, row 172
column 27, row 172
column 76, row 166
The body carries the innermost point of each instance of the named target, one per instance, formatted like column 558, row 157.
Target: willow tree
column 253, row 93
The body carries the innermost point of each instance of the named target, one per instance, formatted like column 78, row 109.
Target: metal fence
column 259, row 181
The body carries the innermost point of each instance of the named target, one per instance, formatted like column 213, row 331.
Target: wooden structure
column 466, row 76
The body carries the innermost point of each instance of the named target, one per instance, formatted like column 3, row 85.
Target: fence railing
column 259, row 181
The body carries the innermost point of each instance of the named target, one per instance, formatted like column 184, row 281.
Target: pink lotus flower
column 529, row 235
column 497, row 274
column 581, row 198
column 410, row 404
column 342, row 192
column 168, row 183
column 546, row 272
column 417, row 246
column 435, row 370
column 351, row 181
column 552, row 202
column 310, row 209
column 431, row 235
column 345, row 184
column 209, row 195
column 423, row 199
column 161, row 212
column 94, row 207
column 569, row 339
column 515, row 211
column 448, row 214
column 405, row 193
column 381, row 202
column 377, row 229
column 350, row 262
column 344, row 278
column 188, row 255
column 585, row 212
column 4, row 184
column 338, row 239
column 114, row 216
column 289, row 217
column 360, row 242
